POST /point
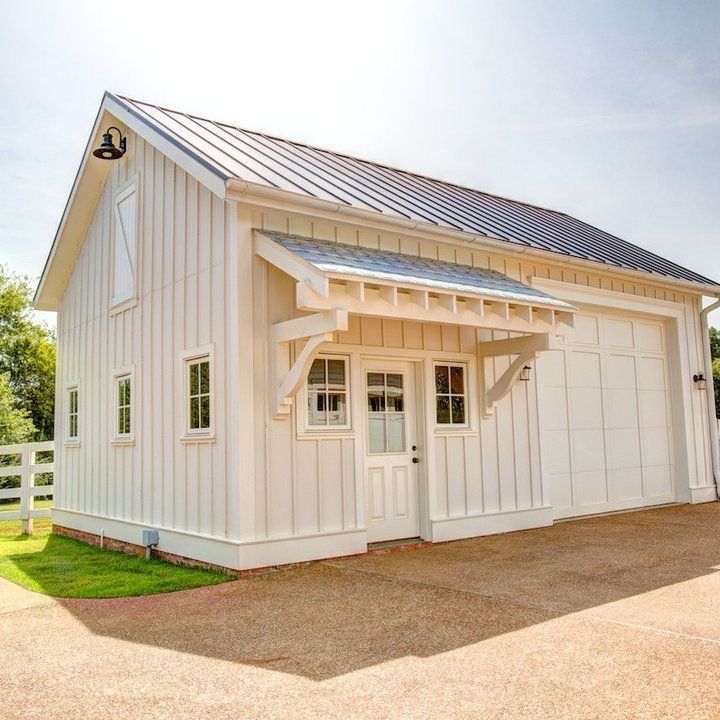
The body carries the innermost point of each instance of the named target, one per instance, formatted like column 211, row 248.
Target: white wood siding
column 187, row 296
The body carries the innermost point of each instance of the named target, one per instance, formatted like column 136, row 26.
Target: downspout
column 712, row 417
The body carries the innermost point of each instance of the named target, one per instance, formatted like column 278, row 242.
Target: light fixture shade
column 525, row 374
column 107, row 149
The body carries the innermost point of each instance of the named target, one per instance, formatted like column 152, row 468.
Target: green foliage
column 27, row 354
column 716, row 379
column 15, row 423
column 715, row 343
column 62, row 567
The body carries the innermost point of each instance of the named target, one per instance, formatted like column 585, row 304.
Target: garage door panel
column 588, row 450
column 556, row 451
column 651, row 373
column 590, row 488
column 649, row 337
column 653, row 408
column 655, row 446
column 619, row 333
column 561, row 495
column 658, row 483
column 606, row 436
column 620, row 372
column 586, row 330
column 586, row 408
column 627, row 484
column 624, row 448
column 551, row 365
column 622, row 408
column 554, row 400
column 585, row 369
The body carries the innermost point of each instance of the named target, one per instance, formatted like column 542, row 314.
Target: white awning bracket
column 527, row 348
column 318, row 329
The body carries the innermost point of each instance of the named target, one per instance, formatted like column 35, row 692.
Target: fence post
column 26, row 482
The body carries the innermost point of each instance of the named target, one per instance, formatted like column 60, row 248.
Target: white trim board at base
column 223, row 552
column 489, row 524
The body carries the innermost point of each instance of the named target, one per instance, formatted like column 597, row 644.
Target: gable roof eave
column 87, row 186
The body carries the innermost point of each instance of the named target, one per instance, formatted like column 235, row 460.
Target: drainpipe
column 712, row 417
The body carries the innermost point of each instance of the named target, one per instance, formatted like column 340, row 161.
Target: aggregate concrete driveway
column 614, row 617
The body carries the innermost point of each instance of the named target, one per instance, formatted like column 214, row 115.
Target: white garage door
column 605, row 421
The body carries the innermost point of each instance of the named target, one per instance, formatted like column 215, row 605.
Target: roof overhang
column 88, row 184
column 362, row 281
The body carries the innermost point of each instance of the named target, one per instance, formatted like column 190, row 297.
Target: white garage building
column 274, row 353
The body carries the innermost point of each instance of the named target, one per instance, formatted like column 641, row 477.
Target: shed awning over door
column 366, row 281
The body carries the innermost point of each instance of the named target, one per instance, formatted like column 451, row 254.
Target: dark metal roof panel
column 295, row 167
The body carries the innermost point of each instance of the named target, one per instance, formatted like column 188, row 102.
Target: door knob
column 415, row 460
column 414, row 448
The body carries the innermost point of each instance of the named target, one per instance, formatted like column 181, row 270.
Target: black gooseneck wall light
column 107, row 149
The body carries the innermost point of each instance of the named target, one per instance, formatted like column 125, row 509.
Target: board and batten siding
column 493, row 467
column 187, row 288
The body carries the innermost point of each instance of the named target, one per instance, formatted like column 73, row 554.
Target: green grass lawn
column 15, row 505
column 63, row 567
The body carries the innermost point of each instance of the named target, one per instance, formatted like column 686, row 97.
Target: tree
column 27, row 355
column 715, row 353
column 15, row 425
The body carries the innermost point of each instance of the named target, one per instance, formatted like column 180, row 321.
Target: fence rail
column 27, row 491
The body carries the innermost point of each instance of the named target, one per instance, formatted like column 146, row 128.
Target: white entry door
column 391, row 460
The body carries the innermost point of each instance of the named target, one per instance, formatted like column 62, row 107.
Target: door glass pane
column 376, row 392
column 442, row 382
column 457, row 380
column 396, row 432
column 394, row 392
column 376, row 432
column 458, row 409
column 443, row 409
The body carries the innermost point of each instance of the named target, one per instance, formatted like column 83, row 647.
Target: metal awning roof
column 365, row 281
column 339, row 260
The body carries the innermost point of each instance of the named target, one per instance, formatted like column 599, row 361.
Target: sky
column 609, row 111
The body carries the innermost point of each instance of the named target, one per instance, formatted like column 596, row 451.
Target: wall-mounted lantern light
column 525, row 374
column 107, row 149
column 700, row 382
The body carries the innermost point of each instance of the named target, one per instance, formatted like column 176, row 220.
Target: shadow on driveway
column 332, row 618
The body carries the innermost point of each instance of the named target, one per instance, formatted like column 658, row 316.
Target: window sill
column 123, row 306
column 71, row 443
column 442, row 431
column 339, row 434
column 199, row 438
column 122, row 441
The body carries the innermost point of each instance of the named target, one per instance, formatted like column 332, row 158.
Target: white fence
column 27, row 492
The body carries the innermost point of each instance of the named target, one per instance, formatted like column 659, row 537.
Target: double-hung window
column 73, row 414
column 327, row 393
column 123, row 405
column 199, row 395
column 451, row 395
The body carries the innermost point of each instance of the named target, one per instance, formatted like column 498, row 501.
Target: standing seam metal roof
column 231, row 152
column 342, row 259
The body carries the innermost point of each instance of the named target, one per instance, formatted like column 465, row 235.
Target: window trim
column 329, row 429
column 451, row 427
column 118, row 375
column 187, row 359
column 68, row 438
